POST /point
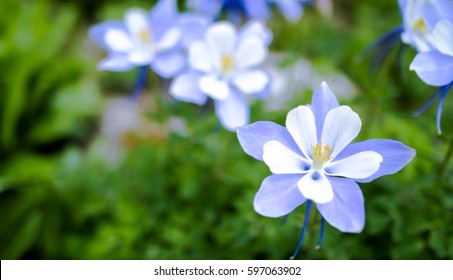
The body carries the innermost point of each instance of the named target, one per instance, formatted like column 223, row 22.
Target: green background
column 188, row 195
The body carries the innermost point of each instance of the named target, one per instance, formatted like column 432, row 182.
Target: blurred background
column 87, row 174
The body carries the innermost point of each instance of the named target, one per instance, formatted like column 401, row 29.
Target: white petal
column 215, row 88
column 358, row 166
column 118, row 41
column 443, row 37
column 282, row 160
column 316, row 186
column 169, row 40
column 221, row 38
column 250, row 52
column 341, row 126
column 256, row 28
column 136, row 20
column 185, row 88
column 232, row 111
column 251, row 81
column 140, row 57
column 116, row 63
column 199, row 57
column 300, row 123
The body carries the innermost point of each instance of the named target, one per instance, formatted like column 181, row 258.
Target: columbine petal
column 232, row 111
column 221, row 38
column 193, row 27
column 251, row 51
column 394, row 153
column 136, row 21
column 256, row 9
column 282, row 160
column 258, row 29
column 116, row 63
column 169, row 64
column 278, row 195
column 214, row 87
column 291, row 9
column 169, row 40
column 98, row 33
column 251, row 82
column 346, row 211
column 118, row 41
column 341, row 126
column 199, row 57
column 433, row 67
column 300, row 123
column 443, row 37
column 322, row 102
column 162, row 17
column 316, row 186
column 357, row 166
column 185, row 88
column 254, row 136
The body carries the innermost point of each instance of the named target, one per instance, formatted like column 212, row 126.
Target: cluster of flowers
column 428, row 28
column 312, row 158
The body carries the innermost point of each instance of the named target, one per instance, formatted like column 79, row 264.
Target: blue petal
column 232, row 111
column 278, row 195
column 346, row 211
column 185, row 88
column 193, row 27
column 169, row 64
column 433, row 67
column 395, row 155
column 162, row 17
column 322, row 102
column 291, row 9
column 209, row 7
column 254, row 136
column 256, row 9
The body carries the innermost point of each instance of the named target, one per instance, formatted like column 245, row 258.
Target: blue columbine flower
column 224, row 65
column 312, row 160
column 250, row 9
column 143, row 39
column 434, row 62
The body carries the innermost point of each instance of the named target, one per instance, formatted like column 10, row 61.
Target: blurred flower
column 434, row 65
column 142, row 39
column 224, row 66
column 312, row 160
column 250, row 9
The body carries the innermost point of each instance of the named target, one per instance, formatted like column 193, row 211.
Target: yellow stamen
column 321, row 155
column 420, row 26
column 227, row 62
column 145, row 36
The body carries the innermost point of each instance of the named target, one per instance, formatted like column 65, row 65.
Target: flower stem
column 321, row 233
column 140, row 82
column 301, row 238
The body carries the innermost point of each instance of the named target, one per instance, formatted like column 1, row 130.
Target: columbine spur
column 312, row 160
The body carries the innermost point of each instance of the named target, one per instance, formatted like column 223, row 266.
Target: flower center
column 419, row 26
column 321, row 155
column 227, row 63
column 145, row 36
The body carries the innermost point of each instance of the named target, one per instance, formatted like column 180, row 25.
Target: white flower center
column 321, row 155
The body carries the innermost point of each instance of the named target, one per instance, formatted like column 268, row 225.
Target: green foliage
column 68, row 192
